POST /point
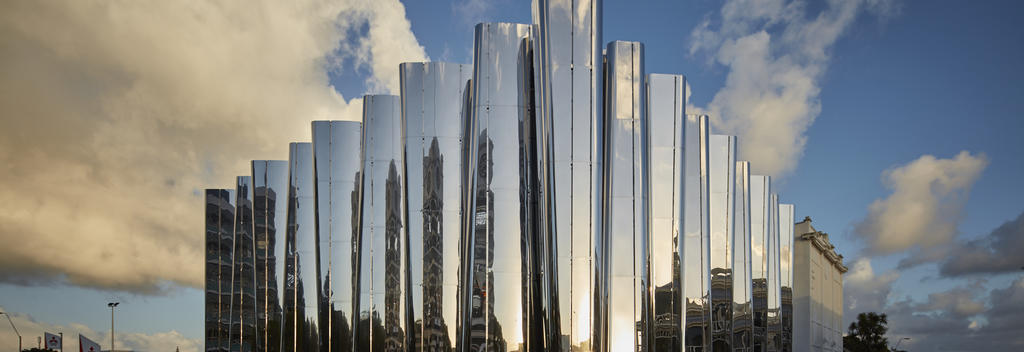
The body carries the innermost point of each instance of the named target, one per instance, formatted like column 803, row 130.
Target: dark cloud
column 999, row 252
column 961, row 320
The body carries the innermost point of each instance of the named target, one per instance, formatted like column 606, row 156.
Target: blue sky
column 901, row 80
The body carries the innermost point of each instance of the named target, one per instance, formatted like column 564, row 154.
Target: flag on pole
column 53, row 341
column 87, row 345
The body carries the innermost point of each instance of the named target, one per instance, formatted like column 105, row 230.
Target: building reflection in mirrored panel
column 499, row 205
column 695, row 246
column 721, row 185
column 786, row 226
column 627, row 298
column 337, row 166
column 666, row 103
column 774, row 301
column 568, row 72
column 301, row 320
column 243, row 274
column 434, row 116
column 270, row 201
column 382, row 300
column 220, row 225
column 742, row 314
column 760, row 213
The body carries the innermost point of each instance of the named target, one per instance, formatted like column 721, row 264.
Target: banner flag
column 87, row 345
column 53, row 341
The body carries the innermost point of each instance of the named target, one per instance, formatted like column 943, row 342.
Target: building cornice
column 820, row 240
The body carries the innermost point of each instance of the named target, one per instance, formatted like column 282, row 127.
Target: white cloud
column 30, row 328
column 863, row 290
column 776, row 54
column 925, row 206
column 117, row 114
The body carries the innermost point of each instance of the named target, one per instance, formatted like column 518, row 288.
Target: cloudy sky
column 894, row 124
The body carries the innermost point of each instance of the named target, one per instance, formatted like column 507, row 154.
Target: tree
column 867, row 334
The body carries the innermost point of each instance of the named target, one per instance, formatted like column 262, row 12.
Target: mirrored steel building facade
column 624, row 303
column 666, row 104
column 742, row 286
column 695, row 239
column 549, row 197
column 302, row 317
column 383, row 265
column 337, row 172
column 220, row 232
column 568, row 71
column 433, row 115
column 721, row 186
column 270, row 202
column 786, row 227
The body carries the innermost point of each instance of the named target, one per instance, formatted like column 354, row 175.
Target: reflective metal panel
column 627, row 298
column 337, row 166
column 774, row 301
column 270, row 201
column 383, row 268
column 666, row 103
column 760, row 214
column 721, row 183
column 433, row 118
column 243, row 274
column 743, row 314
column 568, row 59
column 498, row 201
column 301, row 321
column 220, row 225
column 695, row 246
column 786, row 225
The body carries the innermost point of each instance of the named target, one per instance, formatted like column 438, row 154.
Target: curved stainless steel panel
column 220, row 225
column 243, row 274
column 302, row 320
column 628, row 298
column 743, row 314
column 568, row 76
column 760, row 223
column 270, row 201
column 383, row 267
column 721, row 184
column 666, row 104
column 786, row 226
column 774, row 301
column 337, row 167
column 433, row 118
column 498, row 222
column 695, row 246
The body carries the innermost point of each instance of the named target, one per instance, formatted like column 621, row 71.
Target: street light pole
column 112, row 305
column 15, row 329
column 898, row 343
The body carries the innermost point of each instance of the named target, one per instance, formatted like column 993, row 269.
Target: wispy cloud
column 925, row 206
column 776, row 53
column 115, row 119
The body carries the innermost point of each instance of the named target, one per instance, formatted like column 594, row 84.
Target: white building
column 817, row 291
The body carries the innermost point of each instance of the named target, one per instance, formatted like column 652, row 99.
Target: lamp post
column 15, row 329
column 896, row 348
column 112, row 305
